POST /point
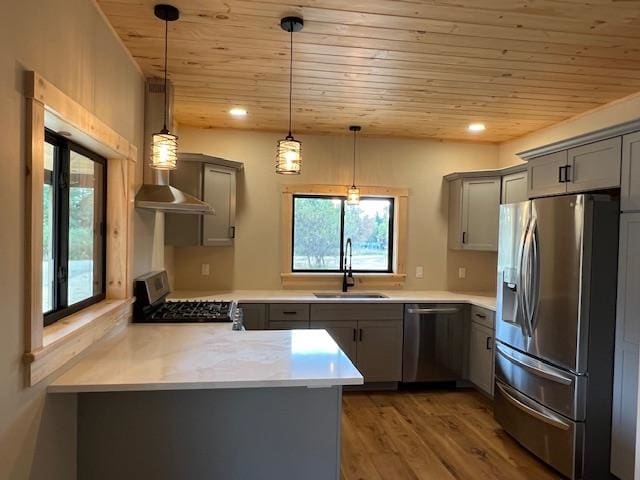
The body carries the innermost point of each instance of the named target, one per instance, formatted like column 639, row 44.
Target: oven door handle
column 536, row 370
column 545, row 417
column 430, row 311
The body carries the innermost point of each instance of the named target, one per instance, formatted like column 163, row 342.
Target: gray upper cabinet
column 544, row 175
column 594, row 166
column 214, row 181
column 220, row 193
column 473, row 213
column 514, row 187
column 630, row 200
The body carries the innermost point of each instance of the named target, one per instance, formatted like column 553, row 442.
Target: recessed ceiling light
column 238, row 112
column 476, row 127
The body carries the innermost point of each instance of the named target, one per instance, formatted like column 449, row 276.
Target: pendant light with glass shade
column 289, row 153
column 164, row 147
column 353, row 194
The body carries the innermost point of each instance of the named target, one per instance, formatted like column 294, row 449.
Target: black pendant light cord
column 355, row 132
column 166, row 48
column 290, row 80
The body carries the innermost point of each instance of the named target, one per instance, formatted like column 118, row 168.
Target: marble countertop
column 209, row 356
column 484, row 300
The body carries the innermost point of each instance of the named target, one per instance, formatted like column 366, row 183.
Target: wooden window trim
column 49, row 348
column 306, row 280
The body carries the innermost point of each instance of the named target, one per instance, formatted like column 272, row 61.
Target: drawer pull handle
column 288, row 312
column 543, row 417
column 538, row 371
column 480, row 315
column 489, row 343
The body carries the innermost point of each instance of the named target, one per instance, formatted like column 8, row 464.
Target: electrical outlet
column 204, row 269
column 462, row 272
column 419, row 271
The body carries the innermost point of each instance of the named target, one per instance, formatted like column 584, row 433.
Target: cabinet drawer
column 356, row 311
column 482, row 316
column 286, row 325
column 289, row 311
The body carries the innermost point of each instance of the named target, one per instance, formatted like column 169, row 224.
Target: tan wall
column 613, row 113
column 253, row 263
column 68, row 43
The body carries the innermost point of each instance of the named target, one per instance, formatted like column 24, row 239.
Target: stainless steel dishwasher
column 436, row 343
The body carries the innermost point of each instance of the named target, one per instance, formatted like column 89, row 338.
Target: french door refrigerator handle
column 522, row 284
column 539, row 371
column 428, row 311
column 535, row 275
column 545, row 417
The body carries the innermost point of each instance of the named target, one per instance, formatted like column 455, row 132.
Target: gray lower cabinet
column 481, row 357
column 370, row 334
column 344, row 332
column 288, row 324
column 380, row 350
column 254, row 315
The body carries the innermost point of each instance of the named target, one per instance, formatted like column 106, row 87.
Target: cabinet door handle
column 464, row 237
column 489, row 343
column 360, row 334
column 232, row 232
column 354, row 334
column 560, row 176
column 567, row 169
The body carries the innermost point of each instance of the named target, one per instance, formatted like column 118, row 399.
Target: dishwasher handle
column 432, row 311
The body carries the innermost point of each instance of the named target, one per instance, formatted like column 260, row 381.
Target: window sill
column 71, row 335
column 334, row 280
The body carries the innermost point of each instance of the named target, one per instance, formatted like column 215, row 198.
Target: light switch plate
column 205, row 269
column 462, row 272
column 419, row 271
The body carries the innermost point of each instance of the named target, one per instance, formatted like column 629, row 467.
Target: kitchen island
column 203, row 401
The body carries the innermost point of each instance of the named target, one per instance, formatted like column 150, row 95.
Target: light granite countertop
column 209, row 356
column 485, row 300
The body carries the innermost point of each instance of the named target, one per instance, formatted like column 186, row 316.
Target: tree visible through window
column 73, row 228
column 322, row 225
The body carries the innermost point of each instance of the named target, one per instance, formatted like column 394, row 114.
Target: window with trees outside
column 323, row 224
column 73, row 247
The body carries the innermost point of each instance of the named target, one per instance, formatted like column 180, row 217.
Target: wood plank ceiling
column 399, row 68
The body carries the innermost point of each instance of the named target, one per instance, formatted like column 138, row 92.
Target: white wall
column 69, row 44
column 620, row 111
column 253, row 263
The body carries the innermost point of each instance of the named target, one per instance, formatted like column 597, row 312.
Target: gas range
column 151, row 305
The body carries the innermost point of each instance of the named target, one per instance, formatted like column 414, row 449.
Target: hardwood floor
column 429, row 435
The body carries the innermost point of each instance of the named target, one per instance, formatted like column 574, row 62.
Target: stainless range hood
column 166, row 198
column 157, row 194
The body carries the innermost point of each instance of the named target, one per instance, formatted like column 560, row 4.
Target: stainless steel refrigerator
column 555, row 322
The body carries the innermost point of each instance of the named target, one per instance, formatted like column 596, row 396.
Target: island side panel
column 289, row 432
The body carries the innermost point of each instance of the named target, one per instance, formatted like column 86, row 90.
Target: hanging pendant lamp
column 289, row 153
column 353, row 194
column 164, row 147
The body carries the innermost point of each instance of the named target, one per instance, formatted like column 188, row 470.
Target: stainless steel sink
column 350, row 295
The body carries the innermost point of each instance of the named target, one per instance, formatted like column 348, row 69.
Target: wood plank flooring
column 430, row 435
